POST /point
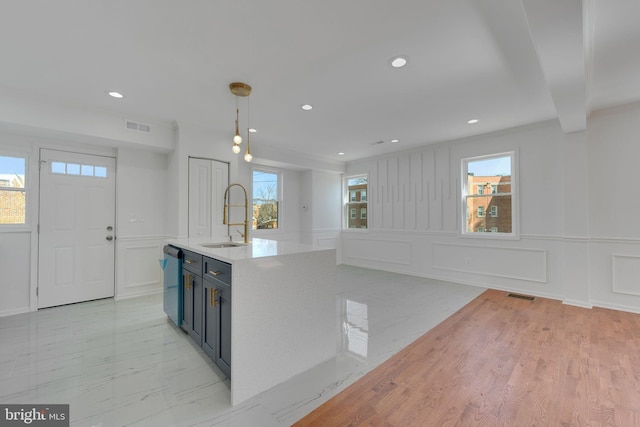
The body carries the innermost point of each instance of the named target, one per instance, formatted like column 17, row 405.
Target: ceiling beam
column 556, row 28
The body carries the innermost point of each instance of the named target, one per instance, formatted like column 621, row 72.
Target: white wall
column 79, row 125
column 15, row 258
column 414, row 203
column 16, row 241
column 141, row 197
column 614, row 207
column 311, row 205
column 326, row 206
column 151, row 191
column 194, row 141
column 141, row 221
column 579, row 236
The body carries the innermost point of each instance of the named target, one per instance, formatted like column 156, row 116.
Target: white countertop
column 257, row 248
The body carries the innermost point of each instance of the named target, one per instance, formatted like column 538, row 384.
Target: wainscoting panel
column 138, row 271
column 626, row 274
column 513, row 263
column 387, row 251
column 141, row 268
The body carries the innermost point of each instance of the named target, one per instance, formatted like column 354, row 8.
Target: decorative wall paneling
column 532, row 265
column 15, row 257
column 378, row 250
column 137, row 266
column 614, row 273
column 509, row 262
column 414, row 191
column 626, row 274
column 327, row 238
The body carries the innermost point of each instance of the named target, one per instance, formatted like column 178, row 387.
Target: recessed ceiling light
column 341, row 154
column 398, row 61
column 115, row 94
column 394, row 141
column 307, row 107
column 252, row 130
column 473, row 121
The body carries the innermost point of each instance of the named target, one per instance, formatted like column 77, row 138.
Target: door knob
column 109, row 238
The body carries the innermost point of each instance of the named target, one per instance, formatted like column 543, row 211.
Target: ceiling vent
column 139, row 127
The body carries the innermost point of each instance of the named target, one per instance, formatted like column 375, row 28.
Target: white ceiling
column 505, row 62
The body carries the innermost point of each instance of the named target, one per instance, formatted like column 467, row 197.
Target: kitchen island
column 283, row 309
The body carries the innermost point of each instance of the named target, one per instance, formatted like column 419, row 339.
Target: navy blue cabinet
column 192, row 295
column 206, row 306
column 216, row 338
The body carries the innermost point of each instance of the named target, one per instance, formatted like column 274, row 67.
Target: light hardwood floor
column 502, row 361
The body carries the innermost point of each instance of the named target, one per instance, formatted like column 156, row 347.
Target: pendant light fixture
column 244, row 90
column 247, row 156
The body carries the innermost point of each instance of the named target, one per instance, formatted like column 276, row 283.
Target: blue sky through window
column 265, row 184
column 498, row 166
column 12, row 165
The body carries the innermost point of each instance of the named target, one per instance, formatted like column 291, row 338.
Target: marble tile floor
column 122, row 363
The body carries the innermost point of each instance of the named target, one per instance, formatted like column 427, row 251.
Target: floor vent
column 527, row 297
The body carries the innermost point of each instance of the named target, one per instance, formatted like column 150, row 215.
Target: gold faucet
column 246, row 211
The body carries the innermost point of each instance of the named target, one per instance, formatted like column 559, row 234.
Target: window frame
column 347, row 203
column 19, row 226
column 279, row 199
column 514, row 193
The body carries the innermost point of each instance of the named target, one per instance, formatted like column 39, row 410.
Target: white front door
column 76, row 253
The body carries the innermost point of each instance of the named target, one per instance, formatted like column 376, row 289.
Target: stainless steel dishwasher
column 172, row 266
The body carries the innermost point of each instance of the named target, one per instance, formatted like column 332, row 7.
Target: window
column 13, row 197
column 355, row 201
column 63, row 168
column 266, row 200
column 488, row 187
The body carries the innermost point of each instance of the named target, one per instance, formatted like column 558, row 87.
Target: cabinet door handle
column 188, row 261
column 187, row 279
column 213, row 297
column 215, row 273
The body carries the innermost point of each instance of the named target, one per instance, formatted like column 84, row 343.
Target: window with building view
column 356, row 201
column 489, row 195
column 13, row 197
column 266, row 200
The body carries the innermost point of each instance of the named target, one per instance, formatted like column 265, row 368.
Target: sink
column 222, row 245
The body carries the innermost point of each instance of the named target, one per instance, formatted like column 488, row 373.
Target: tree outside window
column 265, row 200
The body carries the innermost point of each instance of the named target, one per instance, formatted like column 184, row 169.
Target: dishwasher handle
column 172, row 251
